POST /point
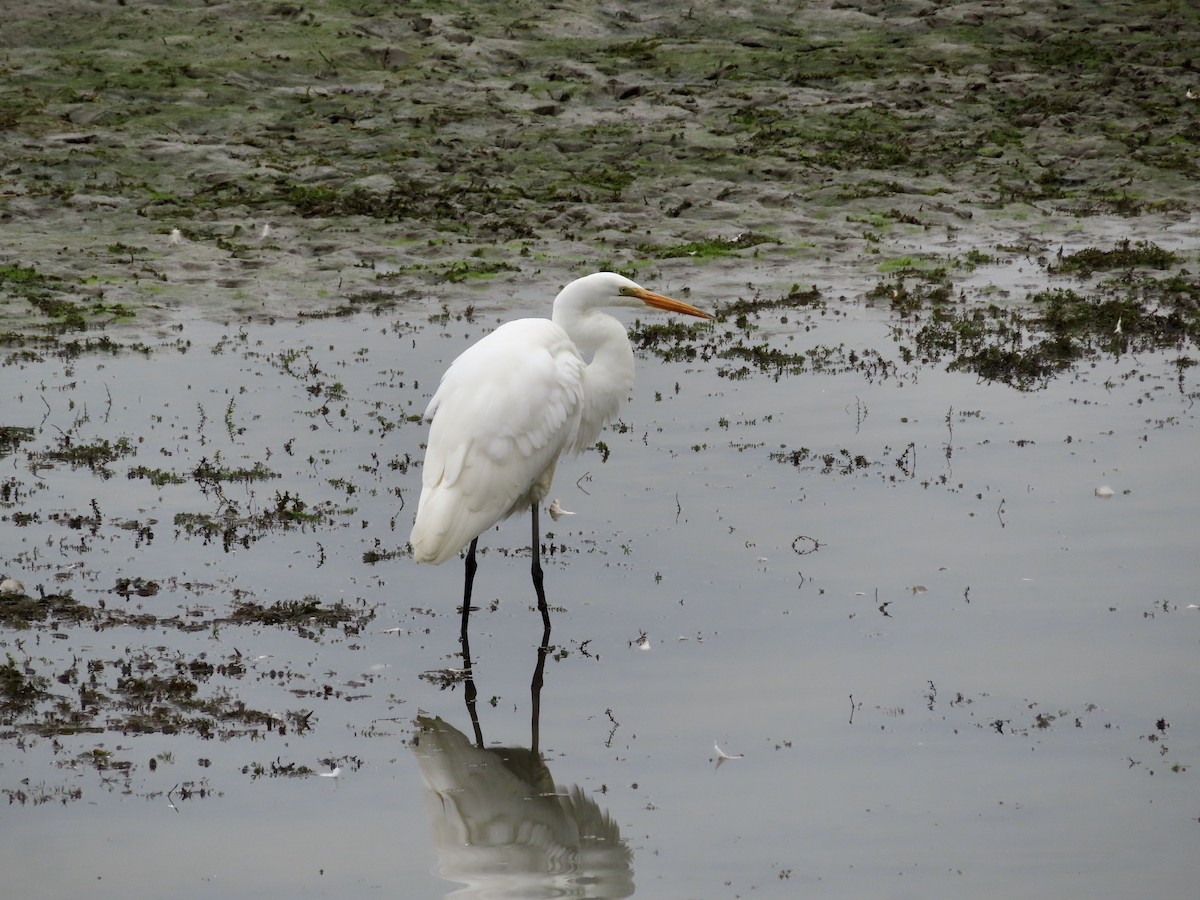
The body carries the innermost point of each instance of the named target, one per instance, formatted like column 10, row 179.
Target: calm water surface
column 947, row 667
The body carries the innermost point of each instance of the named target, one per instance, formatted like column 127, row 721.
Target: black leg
column 536, row 570
column 535, row 687
column 469, row 584
column 470, row 693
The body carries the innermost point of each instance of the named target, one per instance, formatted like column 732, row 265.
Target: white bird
column 511, row 404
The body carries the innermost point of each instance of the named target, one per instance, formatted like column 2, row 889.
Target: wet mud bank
column 230, row 160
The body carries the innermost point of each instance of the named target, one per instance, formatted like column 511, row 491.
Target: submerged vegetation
column 1022, row 344
column 153, row 690
column 1126, row 255
column 1027, row 345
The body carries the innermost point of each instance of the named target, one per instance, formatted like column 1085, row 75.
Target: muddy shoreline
column 166, row 161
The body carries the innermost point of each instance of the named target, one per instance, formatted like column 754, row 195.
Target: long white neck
column 608, row 376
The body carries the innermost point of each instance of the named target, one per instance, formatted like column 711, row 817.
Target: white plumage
column 513, row 402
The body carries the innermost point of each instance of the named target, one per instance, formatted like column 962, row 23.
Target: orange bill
column 658, row 301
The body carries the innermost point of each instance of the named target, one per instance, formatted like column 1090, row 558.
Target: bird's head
column 601, row 289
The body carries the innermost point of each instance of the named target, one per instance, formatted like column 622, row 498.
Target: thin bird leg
column 470, row 583
column 535, row 689
column 535, row 686
column 536, row 570
column 470, row 693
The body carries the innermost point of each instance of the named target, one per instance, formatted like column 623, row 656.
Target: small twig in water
column 950, row 433
column 615, row 726
column 860, row 415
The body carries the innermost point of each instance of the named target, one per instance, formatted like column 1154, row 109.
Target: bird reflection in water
column 501, row 826
column 504, row 413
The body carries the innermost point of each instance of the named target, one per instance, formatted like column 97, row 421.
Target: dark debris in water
column 150, row 689
column 306, row 616
column 1024, row 345
column 1126, row 255
column 237, row 525
column 1036, row 722
column 20, row 611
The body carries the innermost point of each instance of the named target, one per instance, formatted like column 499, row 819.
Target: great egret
column 515, row 401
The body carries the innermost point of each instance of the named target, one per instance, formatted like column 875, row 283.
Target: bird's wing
column 504, row 411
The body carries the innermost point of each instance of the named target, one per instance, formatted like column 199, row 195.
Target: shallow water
column 946, row 667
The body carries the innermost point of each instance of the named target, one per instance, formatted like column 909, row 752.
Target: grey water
column 940, row 661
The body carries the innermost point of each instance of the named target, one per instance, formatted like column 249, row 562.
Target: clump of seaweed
column 21, row 611
column 308, row 616
column 1027, row 346
column 1125, row 255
